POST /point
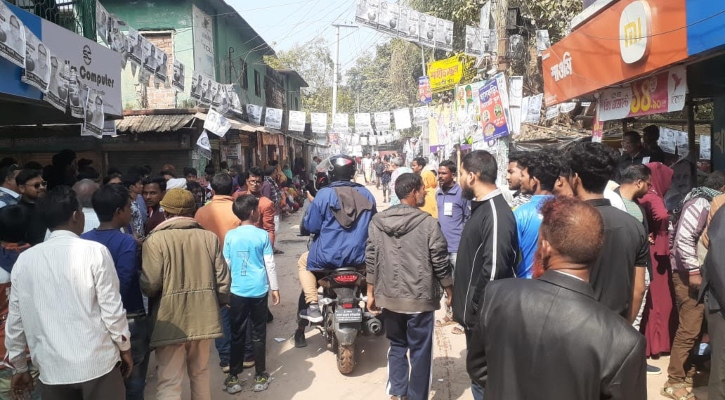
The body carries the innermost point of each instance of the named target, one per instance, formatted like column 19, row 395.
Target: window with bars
column 78, row 16
column 245, row 79
column 257, row 84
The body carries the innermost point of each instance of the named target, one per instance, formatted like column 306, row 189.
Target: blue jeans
column 224, row 343
column 140, row 339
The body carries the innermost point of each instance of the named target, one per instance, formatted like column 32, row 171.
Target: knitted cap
column 178, row 201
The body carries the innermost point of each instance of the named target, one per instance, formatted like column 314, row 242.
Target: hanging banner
column 149, row 56
column 493, row 117
column 367, row 13
column 382, row 121
column 203, row 146
column 533, row 114
column 216, row 123
column 425, row 93
column 57, row 94
column 426, row 29
column 597, row 128
column 364, row 140
column 203, row 32
column 340, row 123
column 362, row 123
column 37, row 63
column 552, row 112
column 565, row 108
column 207, row 90
column 162, row 68
column 402, row 118
column 197, row 86
column 705, row 147
column 542, row 41
column 421, row 115
column 389, row 17
column 12, row 37
column 221, row 102
column 445, row 74
column 467, row 110
column 373, row 141
column 273, row 118
column 178, row 80
column 297, row 121
column 102, row 22
column 233, row 97
column 444, row 34
column 318, row 122
column 254, row 113
column 657, row 94
column 118, row 39
column 474, row 41
column 135, row 47
column 408, row 26
column 94, row 120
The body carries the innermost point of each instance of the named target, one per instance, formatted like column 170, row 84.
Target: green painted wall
column 158, row 15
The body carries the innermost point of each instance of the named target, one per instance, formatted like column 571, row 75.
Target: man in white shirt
column 8, row 187
column 66, row 307
column 367, row 167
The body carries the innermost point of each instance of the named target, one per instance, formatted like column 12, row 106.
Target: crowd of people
column 588, row 269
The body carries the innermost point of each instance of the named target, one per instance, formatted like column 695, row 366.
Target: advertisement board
column 203, row 42
column 445, row 74
column 628, row 40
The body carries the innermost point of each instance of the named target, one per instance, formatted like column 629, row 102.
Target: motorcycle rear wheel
column 346, row 359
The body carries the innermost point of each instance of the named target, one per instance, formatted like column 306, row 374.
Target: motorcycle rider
column 338, row 218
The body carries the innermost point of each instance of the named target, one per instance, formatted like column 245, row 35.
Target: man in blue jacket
column 338, row 218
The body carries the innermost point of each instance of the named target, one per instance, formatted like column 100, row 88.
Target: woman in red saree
column 659, row 320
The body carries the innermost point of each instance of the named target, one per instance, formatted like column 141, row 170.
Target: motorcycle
column 343, row 319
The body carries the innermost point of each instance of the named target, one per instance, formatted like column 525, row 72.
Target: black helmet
column 339, row 167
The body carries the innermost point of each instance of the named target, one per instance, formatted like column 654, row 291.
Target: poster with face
column 207, row 90
column 37, row 63
column 135, row 46
column 149, row 56
column 254, row 112
column 178, row 79
column 57, row 94
column 367, row 13
column 94, row 118
column 12, row 37
column 119, row 42
column 427, row 29
column 162, row 68
column 233, row 98
column 444, row 34
column 273, row 118
column 216, row 94
column 77, row 94
column 474, row 41
column 216, row 123
column 389, row 18
column 221, row 103
column 101, row 22
column 197, row 82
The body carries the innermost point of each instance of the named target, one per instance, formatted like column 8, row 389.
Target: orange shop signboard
column 628, row 40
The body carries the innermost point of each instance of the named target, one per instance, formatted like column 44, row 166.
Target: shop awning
column 153, row 123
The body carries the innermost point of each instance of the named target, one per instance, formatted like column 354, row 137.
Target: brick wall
column 162, row 97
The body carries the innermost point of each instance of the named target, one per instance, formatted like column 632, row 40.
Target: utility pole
column 337, row 65
column 500, row 12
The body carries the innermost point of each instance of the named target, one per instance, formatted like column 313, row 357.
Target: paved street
column 311, row 373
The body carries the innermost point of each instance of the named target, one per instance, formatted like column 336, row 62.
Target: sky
column 284, row 23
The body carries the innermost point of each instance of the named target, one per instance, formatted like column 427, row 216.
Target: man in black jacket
column 488, row 243
column 407, row 263
column 713, row 291
column 549, row 338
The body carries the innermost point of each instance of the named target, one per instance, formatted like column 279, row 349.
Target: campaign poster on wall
column 493, row 115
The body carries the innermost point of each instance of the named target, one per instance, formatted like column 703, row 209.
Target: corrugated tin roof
column 153, row 123
column 237, row 124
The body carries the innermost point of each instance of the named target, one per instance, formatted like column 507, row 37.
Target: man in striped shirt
column 66, row 307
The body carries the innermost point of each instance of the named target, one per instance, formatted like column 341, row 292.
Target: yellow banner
column 445, row 74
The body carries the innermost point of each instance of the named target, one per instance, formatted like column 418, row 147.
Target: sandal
column 670, row 388
column 444, row 322
column 458, row 330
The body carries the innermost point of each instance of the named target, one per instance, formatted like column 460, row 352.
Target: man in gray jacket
column 407, row 264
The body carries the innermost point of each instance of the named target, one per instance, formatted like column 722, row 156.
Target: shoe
column 231, row 384
column 261, row 382
column 313, row 314
column 270, row 317
column 224, row 366
column 248, row 363
column 300, row 340
column 278, row 251
column 652, row 370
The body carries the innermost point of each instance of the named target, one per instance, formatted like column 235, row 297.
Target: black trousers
column 409, row 333
column 244, row 311
column 106, row 387
column 716, row 329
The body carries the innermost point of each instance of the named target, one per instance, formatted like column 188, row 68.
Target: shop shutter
column 123, row 160
column 47, row 158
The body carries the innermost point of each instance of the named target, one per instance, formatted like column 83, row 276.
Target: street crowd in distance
column 579, row 268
